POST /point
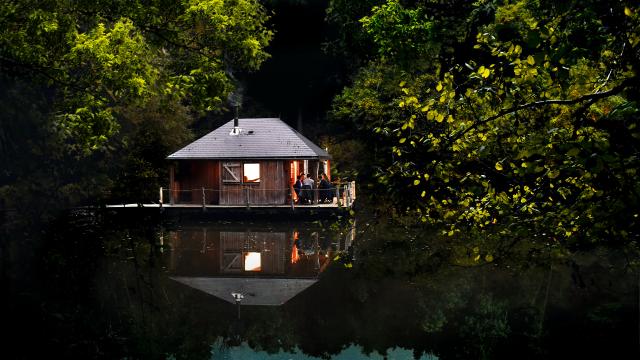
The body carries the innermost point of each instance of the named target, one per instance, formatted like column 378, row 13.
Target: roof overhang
column 253, row 158
column 264, row 139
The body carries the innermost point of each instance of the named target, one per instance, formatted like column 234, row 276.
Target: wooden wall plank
column 271, row 190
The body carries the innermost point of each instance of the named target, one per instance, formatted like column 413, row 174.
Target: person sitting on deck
column 309, row 181
column 297, row 187
column 307, row 189
column 325, row 193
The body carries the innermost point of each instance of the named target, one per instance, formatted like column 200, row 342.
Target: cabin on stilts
column 245, row 162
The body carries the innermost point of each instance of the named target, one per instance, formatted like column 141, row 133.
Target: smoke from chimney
column 235, row 100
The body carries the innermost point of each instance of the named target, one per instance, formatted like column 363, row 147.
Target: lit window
column 252, row 261
column 251, row 173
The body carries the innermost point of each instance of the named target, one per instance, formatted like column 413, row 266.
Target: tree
column 97, row 65
column 530, row 133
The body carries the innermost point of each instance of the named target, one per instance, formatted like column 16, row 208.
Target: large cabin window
column 231, row 172
column 251, row 173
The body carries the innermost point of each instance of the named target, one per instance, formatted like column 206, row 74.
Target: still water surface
column 142, row 288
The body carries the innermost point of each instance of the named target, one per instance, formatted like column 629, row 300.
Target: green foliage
column 349, row 41
column 529, row 132
column 110, row 87
column 100, row 56
column 398, row 31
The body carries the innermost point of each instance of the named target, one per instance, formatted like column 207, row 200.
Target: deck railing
column 341, row 195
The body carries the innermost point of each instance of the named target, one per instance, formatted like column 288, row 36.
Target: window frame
column 226, row 167
column 258, row 179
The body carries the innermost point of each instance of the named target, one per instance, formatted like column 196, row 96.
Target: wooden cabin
column 245, row 162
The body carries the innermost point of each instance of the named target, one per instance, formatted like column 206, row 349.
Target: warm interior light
column 252, row 261
column 252, row 172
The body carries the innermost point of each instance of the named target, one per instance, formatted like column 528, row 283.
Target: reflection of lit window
column 252, row 261
column 251, row 173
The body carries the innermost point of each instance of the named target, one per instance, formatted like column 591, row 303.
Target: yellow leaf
column 481, row 70
column 402, row 83
column 485, row 74
column 488, row 258
column 628, row 11
column 425, row 108
column 518, row 49
column 476, row 258
column 439, row 86
column 450, row 119
column 440, row 118
column 403, row 140
column 416, row 182
column 498, row 166
column 424, row 193
column 531, row 60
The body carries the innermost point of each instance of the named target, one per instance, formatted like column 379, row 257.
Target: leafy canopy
column 523, row 125
column 99, row 57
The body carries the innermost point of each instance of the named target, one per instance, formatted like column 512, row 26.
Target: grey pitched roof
column 256, row 291
column 265, row 138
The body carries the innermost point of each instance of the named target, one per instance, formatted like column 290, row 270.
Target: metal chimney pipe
column 235, row 119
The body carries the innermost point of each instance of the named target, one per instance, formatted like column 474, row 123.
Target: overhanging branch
column 589, row 97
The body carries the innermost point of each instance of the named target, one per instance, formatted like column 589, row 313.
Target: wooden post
column 172, row 185
column 204, row 240
column 246, row 196
column 293, row 208
column 338, row 194
column 317, row 183
column 204, row 200
column 348, row 193
column 353, row 189
column 161, row 199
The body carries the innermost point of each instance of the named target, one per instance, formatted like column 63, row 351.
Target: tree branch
column 590, row 97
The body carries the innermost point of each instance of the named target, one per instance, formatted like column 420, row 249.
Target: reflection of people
column 325, row 193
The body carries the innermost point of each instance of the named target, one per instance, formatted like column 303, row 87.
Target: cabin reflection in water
column 267, row 267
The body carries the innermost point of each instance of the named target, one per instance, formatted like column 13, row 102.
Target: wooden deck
column 195, row 206
column 208, row 212
column 343, row 202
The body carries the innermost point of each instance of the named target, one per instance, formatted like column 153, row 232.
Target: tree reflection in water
column 106, row 290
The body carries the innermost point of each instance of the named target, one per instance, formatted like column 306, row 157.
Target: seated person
column 305, row 192
column 297, row 187
column 325, row 193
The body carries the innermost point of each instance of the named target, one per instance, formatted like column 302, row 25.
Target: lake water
column 95, row 286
